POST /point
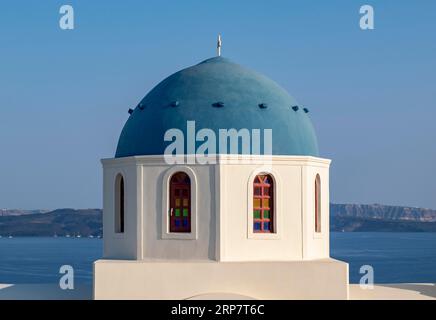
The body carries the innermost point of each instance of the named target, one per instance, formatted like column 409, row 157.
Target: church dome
column 217, row 94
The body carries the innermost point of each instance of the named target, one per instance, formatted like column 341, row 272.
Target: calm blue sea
column 395, row 257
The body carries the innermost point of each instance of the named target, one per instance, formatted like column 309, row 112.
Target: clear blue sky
column 64, row 95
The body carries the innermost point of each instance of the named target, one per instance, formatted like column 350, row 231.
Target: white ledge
column 233, row 159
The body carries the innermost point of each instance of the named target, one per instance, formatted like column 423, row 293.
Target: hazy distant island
column 43, row 223
column 381, row 218
column 88, row 222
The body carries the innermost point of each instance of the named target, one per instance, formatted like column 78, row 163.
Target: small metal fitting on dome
column 263, row 105
column 141, row 106
column 306, row 110
column 295, row 108
column 218, row 104
column 174, row 104
column 130, row 111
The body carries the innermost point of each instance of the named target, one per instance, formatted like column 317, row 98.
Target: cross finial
column 218, row 46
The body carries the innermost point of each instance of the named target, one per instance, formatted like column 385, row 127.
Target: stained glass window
column 263, row 204
column 180, row 203
column 317, row 204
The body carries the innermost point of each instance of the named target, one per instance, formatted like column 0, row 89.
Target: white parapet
column 128, row 279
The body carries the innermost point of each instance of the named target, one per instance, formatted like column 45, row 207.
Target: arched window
column 180, row 203
column 263, row 204
column 119, row 204
column 318, row 204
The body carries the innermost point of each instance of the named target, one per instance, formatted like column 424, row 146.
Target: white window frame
column 166, row 234
column 115, row 234
column 277, row 218
column 317, row 235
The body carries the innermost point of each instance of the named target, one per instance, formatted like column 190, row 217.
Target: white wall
column 320, row 279
column 223, row 210
column 120, row 245
column 199, row 247
column 294, row 237
column 315, row 245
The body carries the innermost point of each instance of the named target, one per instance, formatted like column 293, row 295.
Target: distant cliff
column 377, row 217
column 19, row 212
column 378, row 211
column 61, row 222
column 343, row 217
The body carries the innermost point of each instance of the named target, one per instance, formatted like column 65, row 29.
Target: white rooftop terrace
column 406, row 291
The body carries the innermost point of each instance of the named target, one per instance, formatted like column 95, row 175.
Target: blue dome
column 217, row 94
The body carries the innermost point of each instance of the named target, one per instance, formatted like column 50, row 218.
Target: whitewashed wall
column 223, row 209
column 120, row 245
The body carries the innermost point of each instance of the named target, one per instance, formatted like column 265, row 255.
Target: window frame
column 120, row 205
column 317, row 203
column 261, row 208
column 166, row 205
column 173, row 197
column 277, row 204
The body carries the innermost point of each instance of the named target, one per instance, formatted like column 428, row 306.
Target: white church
column 244, row 221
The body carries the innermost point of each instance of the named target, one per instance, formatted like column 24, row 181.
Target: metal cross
column 218, row 46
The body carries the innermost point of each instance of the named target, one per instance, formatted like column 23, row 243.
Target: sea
column 393, row 257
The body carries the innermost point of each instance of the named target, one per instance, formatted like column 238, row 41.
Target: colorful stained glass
column 265, row 203
column 266, row 214
column 180, row 215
